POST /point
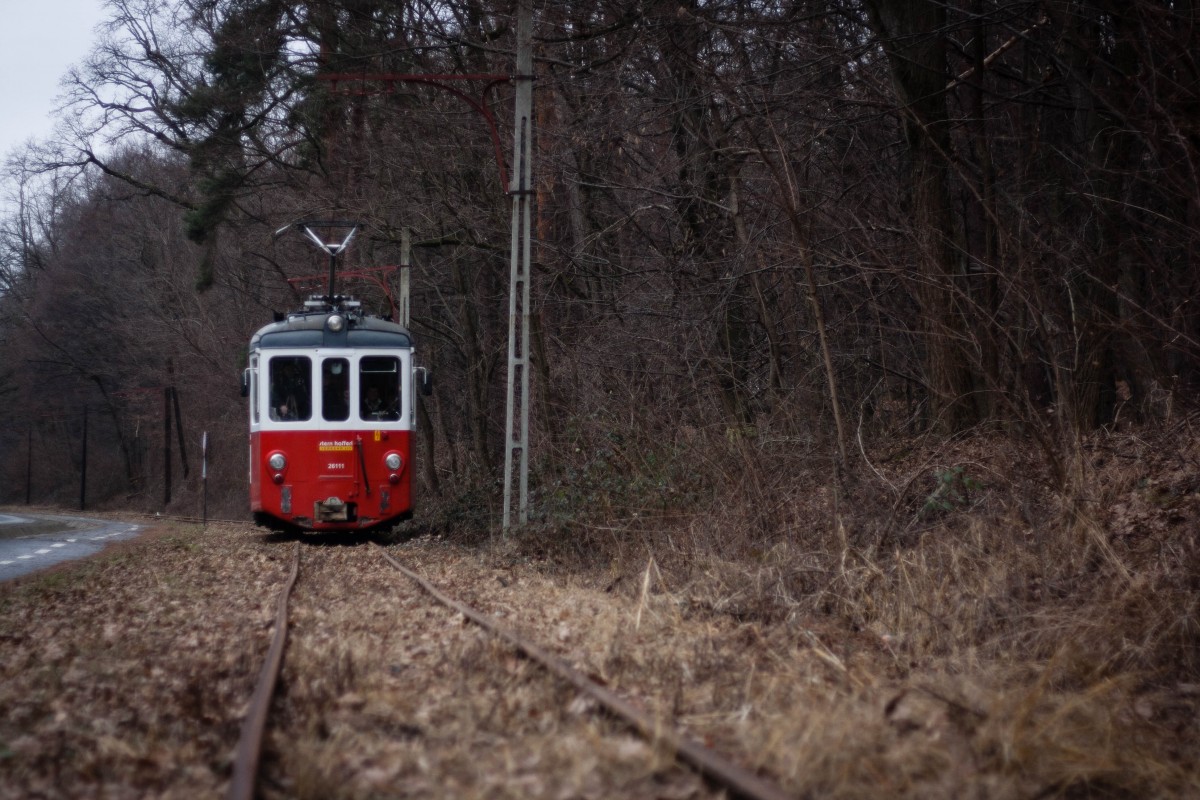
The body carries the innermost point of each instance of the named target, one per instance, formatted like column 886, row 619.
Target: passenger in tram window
column 372, row 403
column 289, row 389
column 376, row 406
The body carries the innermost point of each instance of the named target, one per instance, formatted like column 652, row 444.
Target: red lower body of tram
column 330, row 480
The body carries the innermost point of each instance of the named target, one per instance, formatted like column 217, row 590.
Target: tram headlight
column 335, row 323
column 394, row 462
column 277, row 462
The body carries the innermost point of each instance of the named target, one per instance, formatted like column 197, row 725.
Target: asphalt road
column 31, row 542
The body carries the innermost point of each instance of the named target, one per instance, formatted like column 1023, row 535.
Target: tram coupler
column 333, row 509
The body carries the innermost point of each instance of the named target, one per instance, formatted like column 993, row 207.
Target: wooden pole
column 83, row 462
column 179, row 431
column 166, row 446
column 204, row 479
column 29, row 465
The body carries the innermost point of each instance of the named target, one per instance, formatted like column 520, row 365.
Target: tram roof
column 309, row 330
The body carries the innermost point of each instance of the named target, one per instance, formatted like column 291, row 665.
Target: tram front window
column 291, row 393
column 335, row 389
column 379, row 388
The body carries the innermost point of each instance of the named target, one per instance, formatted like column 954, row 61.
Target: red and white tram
column 332, row 413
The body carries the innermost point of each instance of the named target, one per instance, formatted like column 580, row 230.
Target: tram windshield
column 291, row 392
column 335, row 389
column 379, row 388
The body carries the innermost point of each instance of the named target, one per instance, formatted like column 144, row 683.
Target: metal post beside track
column 516, row 433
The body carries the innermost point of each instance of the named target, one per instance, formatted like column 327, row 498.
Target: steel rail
column 741, row 781
column 249, row 748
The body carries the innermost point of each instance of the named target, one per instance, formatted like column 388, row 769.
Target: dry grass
column 975, row 629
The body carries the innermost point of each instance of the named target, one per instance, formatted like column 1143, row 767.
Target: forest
column 876, row 310
column 807, row 227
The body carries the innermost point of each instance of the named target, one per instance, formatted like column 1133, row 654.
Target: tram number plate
column 335, row 466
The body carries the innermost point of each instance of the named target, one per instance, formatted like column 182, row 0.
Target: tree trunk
column 911, row 34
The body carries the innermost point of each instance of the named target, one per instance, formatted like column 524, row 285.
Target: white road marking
column 58, row 545
column 108, row 535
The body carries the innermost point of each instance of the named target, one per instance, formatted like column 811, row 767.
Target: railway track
column 717, row 770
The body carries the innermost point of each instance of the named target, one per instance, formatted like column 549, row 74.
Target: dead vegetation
column 948, row 624
column 985, row 631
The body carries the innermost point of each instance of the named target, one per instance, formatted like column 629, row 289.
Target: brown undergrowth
column 1037, row 635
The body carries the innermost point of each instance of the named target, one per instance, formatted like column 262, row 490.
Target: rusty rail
column 249, row 748
column 739, row 780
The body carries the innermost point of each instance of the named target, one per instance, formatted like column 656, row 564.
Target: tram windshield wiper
column 362, row 464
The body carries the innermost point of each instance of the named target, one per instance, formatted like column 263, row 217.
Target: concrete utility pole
column 516, row 426
column 405, row 274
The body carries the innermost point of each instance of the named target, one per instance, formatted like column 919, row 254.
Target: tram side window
column 253, row 376
column 335, row 389
column 291, row 392
column 379, row 388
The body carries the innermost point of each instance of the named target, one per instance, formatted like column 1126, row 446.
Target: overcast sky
column 39, row 41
